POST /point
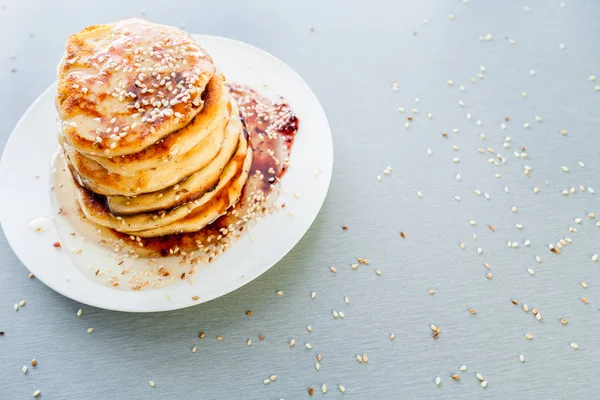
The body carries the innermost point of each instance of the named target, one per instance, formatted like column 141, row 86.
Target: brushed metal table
column 473, row 105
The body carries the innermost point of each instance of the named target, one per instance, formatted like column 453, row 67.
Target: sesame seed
column 266, row 381
column 90, row 330
column 564, row 321
column 309, row 328
column 564, row 168
column 33, row 362
column 378, row 272
column 317, row 366
column 311, row 391
column 249, row 342
column 194, row 349
column 479, row 376
column 528, row 336
column 456, row 377
column 525, row 308
column 324, row 388
column 392, row 336
column 16, row 307
column 151, row 383
column 313, row 295
column 522, row 358
column 531, row 272
column 333, row 269
column 202, row 335
column 472, row 311
column 574, row 346
column 279, row 293
column 584, row 300
column 308, row 346
column 21, row 303
column 484, row 384
column 25, row 369
column 419, row 194
column 220, row 338
column 451, row 17
column 346, row 300
column 36, row 393
column 429, row 152
column 438, row 380
column 595, row 257
column 341, row 388
column 583, row 285
column 359, row 358
column 431, row 291
column 463, row 367
column 79, row 312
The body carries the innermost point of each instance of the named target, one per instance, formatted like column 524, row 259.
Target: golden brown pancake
column 124, row 86
column 95, row 209
column 213, row 117
column 188, row 189
column 211, row 206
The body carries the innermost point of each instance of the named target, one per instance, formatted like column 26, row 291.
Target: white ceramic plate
column 32, row 144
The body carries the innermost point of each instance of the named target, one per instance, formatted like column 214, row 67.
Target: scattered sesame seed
column 36, row 393
column 584, row 300
column 451, row 17
column 564, row 321
column 279, row 293
column 25, row 369
column 324, row 388
column 341, row 388
column 266, row 381
column 484, row 384
column 419, row 194
column 346, row 300
column 595, row 257
column 249, row 342
column 16, row 307
column 151, row 383
column 194, row 349
column 309, row 328
column 378, row 272
column 392, row 336
column 522, row 358
column 33, row 362
column 574, row 346
column 333, row 269
column 308, row 346
column 202, row 335
column 292, row 343
column 538, row 259
column 438, row 380
column 531, row 272
column 79, row 312
column 431, row 291
column 90, row 330
column 456, row 377
column 220, row 338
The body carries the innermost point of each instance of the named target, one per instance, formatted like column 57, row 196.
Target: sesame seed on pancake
column 124, row 86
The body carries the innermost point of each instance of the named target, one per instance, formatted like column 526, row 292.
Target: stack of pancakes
column 149, row 130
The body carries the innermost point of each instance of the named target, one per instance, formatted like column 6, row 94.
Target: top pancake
column 124, row 86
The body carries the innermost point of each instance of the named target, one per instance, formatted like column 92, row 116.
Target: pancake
column 226, row 195
column 213, row 117
column 95, row 209
column 188, row 189
column 96, row 178
column 124, row 86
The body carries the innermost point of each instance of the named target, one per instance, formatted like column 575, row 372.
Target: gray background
column 350, row 59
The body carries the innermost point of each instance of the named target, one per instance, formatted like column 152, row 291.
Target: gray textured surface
column 349, row 60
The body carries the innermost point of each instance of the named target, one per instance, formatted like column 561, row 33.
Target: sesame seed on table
column 466, row 147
